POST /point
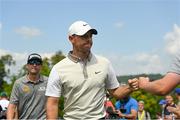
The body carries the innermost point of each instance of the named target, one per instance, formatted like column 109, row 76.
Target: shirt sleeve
column 175, row 67
column 14, row 99
column 117, row 105
column 54, row 84
column 134, row 105
column 111, row 81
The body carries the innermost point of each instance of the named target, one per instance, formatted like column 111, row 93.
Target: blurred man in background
column 127, row 108
column 169, row 103
column 28, row 98
column 142, row 113
column 176, row 110
column 4, row 102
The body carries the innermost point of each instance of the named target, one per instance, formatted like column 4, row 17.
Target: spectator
column 176, row 110
column 1, row 110
column 4, row 102
column 142, row 113
column 169, row 102
column 110, row 109
column 127, row 108
column 162, row 104
column 28, row 98
column 159, row 116
column 177, row 93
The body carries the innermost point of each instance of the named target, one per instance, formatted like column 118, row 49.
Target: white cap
column 34, row 56
column 80, row 28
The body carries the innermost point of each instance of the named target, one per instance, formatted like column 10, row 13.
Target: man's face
column 82, row 43
column 34, row 67
column 141, row 106
column 169, row 99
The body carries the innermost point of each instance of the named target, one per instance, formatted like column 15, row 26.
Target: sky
column 137, row 36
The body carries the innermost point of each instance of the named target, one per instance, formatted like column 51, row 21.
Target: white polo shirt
column 82, row 85
column 175, row 67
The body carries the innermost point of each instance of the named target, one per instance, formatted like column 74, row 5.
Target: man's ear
column 26, row 66
column 71, row 39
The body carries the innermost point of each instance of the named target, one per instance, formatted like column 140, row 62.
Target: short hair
column 141, row 101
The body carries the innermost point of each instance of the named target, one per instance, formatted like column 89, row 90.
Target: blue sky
column 137, row 36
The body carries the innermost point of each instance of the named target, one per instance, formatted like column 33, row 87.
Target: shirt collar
column 28, row 81
column 77, row 59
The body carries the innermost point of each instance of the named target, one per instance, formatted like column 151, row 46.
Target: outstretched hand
column 134, row 84
column 175, row 110
column 143, row 81
column 138, row 83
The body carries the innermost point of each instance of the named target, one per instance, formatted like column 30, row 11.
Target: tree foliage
column 5, row 62
column 49, row 63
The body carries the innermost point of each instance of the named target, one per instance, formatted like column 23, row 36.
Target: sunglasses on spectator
column 32, row 62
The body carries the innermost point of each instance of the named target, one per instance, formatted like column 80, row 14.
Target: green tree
column 151, row 101
column 49, row 63
column 46, row 67
column 2, row 74
column 57, row 57
column 5, row 62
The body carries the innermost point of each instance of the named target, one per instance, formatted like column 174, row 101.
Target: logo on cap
column 85, row 24
column 34, row 56
column 80, row 28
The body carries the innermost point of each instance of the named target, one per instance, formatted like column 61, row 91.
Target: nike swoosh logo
column 85, row 24
column 97, row 72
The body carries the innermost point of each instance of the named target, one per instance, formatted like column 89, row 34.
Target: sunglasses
column 32, row 62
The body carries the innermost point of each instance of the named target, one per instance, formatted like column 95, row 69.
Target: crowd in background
column 126, row 108
column 122, row 109
column 130, row 108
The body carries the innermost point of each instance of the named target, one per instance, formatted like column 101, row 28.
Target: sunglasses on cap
column 36, row 62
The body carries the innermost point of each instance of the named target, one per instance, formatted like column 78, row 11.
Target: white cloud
column 173, row 40
column 18, row 57
column 148, row 62
column 28, row 32
column 137, row 64
column 21, row 59
column 3, row 52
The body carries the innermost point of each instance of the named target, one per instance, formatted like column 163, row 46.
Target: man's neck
column 140, row 111
column 81, row 55
column 33, row 78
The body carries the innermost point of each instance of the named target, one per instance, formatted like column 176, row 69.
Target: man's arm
column 131, row 116
column 12, row 112
column 120, row 92
column 124, row 90
column 175, row 110
column 162, row 86
column 52, row 107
